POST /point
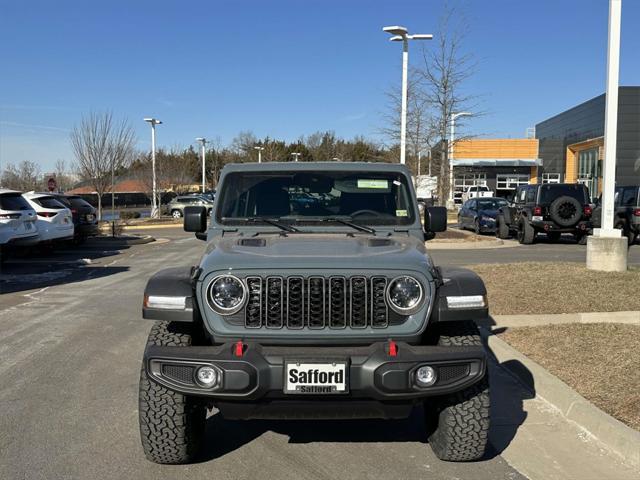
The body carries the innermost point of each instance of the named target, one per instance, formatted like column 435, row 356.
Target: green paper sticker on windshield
column 401, row 213
column 373, row 183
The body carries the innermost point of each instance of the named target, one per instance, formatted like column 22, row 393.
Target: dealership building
column 568, row 147
column 571, row 143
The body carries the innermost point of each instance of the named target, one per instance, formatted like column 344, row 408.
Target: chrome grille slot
column 275, row 302
column 337, row 302
column 358, row 302
column 315, row 305
column 295, row 302
column 379, row 310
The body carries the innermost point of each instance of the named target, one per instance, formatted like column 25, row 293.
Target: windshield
column 491, row 204
column 548, row 193
column 378, row 198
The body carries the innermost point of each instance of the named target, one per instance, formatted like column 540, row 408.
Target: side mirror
column 435, row 219
column 195, row 219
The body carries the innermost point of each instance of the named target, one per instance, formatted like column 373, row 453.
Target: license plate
column 316, row 378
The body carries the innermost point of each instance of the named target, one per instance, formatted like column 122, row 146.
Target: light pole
column 154, row 201
column 203, row 142
column 401, row 34
column 259, row 149
column 452, row 140
column 296, row 155
column 606, row 248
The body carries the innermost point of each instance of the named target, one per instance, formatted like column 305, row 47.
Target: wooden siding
column 523, row 148
column 571, row 165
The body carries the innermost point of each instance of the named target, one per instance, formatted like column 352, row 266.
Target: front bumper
column 372, row 372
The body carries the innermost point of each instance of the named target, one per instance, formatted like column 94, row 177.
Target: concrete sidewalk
column 537, row 440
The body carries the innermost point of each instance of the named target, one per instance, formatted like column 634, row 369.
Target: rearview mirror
column 435, row 219
column 195, row 219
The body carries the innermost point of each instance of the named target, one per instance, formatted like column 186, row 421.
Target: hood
column 493, row 213
column 323, row 251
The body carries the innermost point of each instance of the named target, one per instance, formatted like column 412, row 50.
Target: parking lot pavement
column 69, row 361
column 69, row 364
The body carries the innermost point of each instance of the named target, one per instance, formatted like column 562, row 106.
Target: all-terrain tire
column 626, row 232
column 462, row 418
column 502, row 229
column 171, row 424
column 526, row 233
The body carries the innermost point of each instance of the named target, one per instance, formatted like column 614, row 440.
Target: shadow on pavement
column 507, row 414
column 28, row 269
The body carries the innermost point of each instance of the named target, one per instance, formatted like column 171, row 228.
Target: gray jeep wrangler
column 315, row 298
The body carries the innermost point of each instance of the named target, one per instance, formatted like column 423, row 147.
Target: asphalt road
column 69, row 361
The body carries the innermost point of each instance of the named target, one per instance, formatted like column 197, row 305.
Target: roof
column 8, row 190
column 124, row 186
column 315, row 166
column 496, row 162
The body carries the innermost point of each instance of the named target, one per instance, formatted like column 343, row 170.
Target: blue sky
column 281, row 68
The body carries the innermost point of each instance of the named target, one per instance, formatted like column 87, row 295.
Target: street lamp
column 154, row 203
column 452, row 139
column 203, row 142
column 259, row 149
column 296, row 155
column 401, row 34
column 606, row 248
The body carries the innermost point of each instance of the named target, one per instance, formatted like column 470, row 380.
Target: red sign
column 52, row 184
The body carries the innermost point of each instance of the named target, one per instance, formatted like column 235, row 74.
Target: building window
column 550, row 178
column 511, row 181
column 462, row 181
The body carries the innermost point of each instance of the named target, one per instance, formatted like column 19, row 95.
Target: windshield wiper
column 274, row 222
column 349, row 223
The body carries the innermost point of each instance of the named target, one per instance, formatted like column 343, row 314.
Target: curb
column 151, row 227
column 463, row 245
column 131, row 240
column 514, row 321
column 612, row 434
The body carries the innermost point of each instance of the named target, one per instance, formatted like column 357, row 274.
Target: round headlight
column 405, row 295
column 227, row 294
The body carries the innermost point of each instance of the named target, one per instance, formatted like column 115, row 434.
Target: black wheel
column 554, row 236
column 581, row 238
column 631, row 237
column 526, row 233
column 502, row 229
column 171, row 424
column 566, row 211
column 459, row 423
column 476, row 226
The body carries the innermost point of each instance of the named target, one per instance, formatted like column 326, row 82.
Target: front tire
column 171, row 424
column 176, row 214
column 459, row 422
column 502, row 229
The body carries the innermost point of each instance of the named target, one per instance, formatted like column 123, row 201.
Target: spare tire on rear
column 565, row 211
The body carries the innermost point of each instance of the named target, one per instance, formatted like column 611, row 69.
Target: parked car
column 552, row 209
column 54, row 220
column 17, row 221
column 479, row 214
column 85, row 218
column 476, row 191
column 306, row 315
column 627, row 212
column 176, row 206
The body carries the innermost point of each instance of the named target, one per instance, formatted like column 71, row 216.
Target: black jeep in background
column 552, row 209
column 627, row 212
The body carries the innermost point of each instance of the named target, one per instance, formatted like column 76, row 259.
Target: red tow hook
column 238, row 348
column 393, row 349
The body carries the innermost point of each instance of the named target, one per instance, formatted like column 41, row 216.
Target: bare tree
column 101, row 146
column 24, row 177
column 420, row 119
column 445, row 70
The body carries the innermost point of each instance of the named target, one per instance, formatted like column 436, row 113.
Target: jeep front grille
column 316, row 302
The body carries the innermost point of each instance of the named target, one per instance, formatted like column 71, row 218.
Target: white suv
column 54, row 219
column 17, row 219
